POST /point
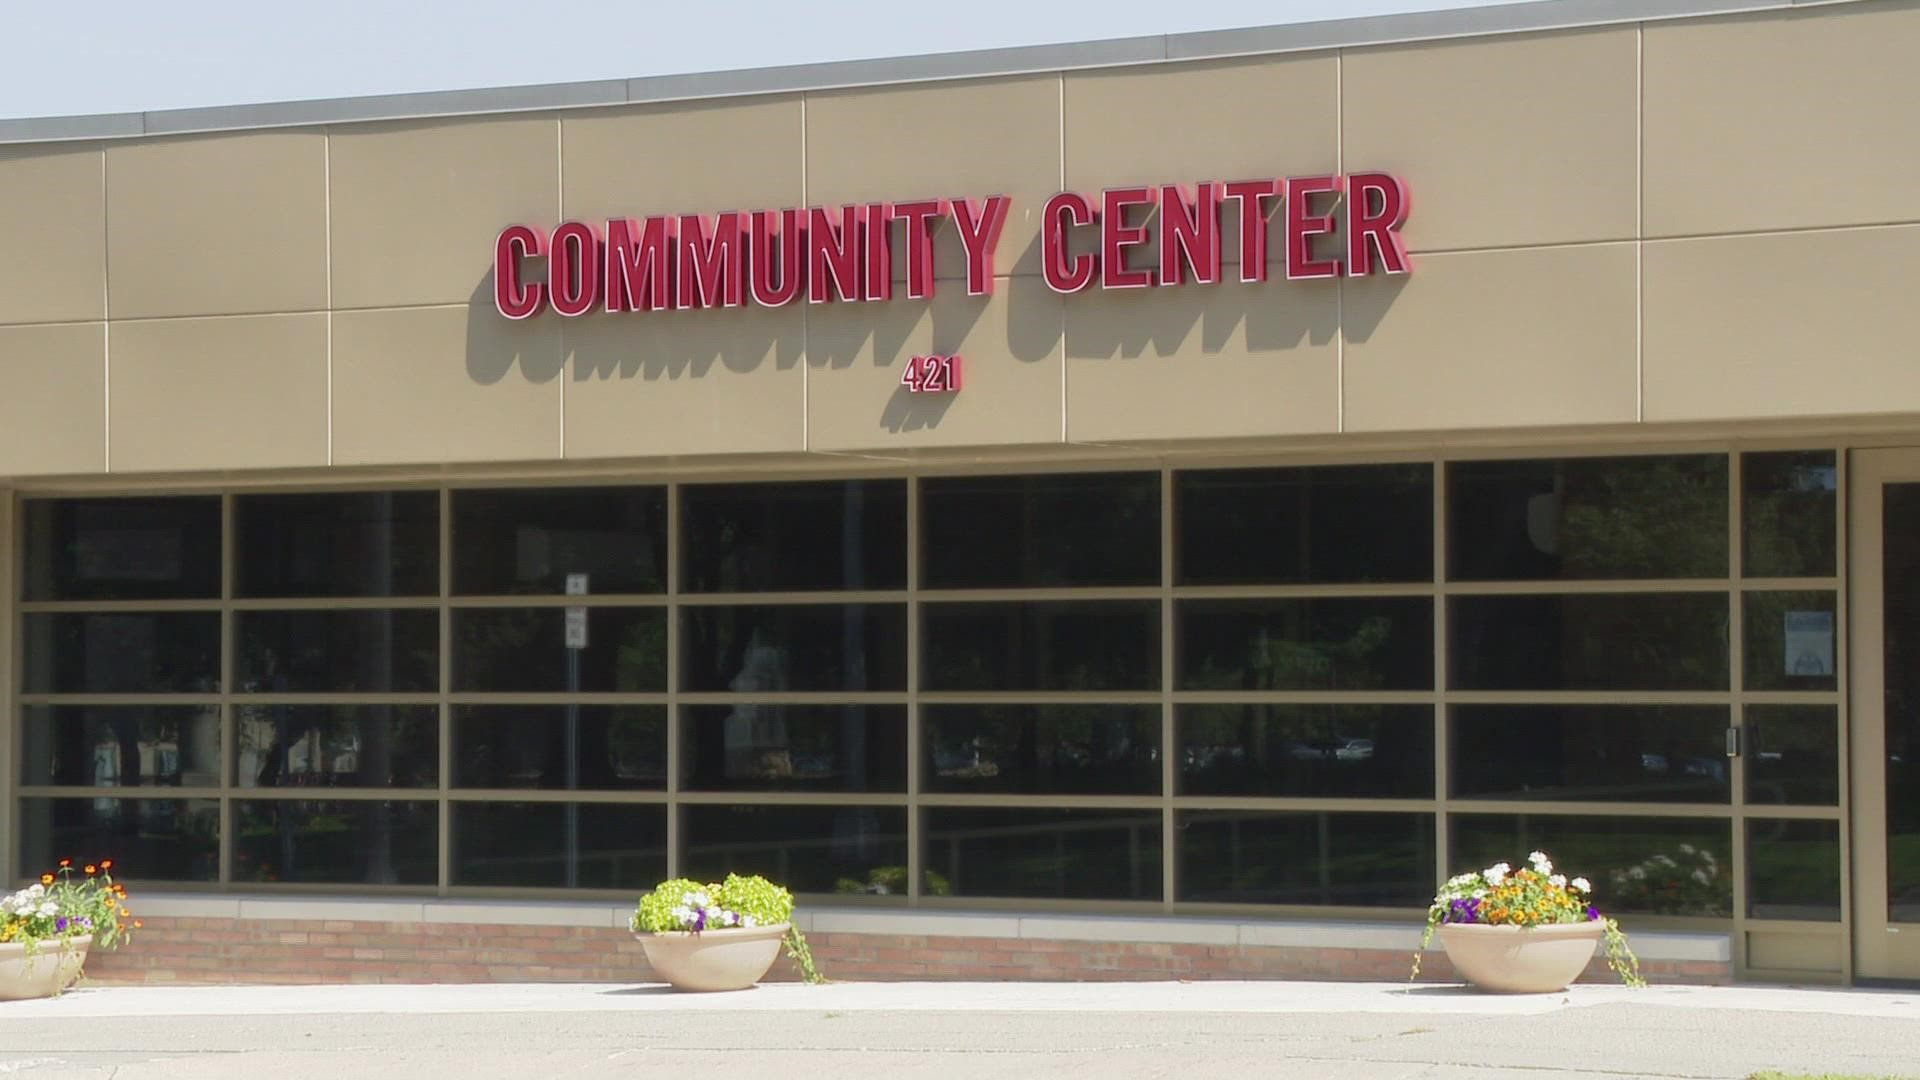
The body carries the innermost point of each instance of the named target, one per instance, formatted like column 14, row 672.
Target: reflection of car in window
column 1354, row 750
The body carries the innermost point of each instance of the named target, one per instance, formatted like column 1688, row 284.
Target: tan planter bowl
column 44, row 974
column 1520, row 960
column 731, row 959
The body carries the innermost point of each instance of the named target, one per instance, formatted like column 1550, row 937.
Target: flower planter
column 1521, row 960
column 47, row 972
column 730, row 959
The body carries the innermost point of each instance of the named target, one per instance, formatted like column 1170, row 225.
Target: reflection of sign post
column 575, row 635
column 1809, row 637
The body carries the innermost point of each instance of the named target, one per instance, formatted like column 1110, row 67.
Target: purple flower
column 1463, row 910
column 1593, row 913
column 699, row 919
column 60, row 925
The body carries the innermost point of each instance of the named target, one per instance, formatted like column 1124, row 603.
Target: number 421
column 932, row 375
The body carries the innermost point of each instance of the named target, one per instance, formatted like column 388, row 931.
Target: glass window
column 527, row 540
column 1790, row 641
column 984, row 532
column 1307, row 751
column 1358, row 643
column 615, row 747
column 1042, row 749
column 120, row 745
column 1320, row 859
column 1045, row 854
column 1041, row 645
column 749, row 747
column 1793, row 870
column 147, row 839
column 524, row 650
column 1323, row 525
column 836, row 534
column 806, row 647
column 1638, row 865
column 337, row 651
column 1790, row 505
column 1602, row 753
column 122, row 549
column 340, row 842
column 379, row 543
column 337, row 745
column 121, row 652
column 1613, row 641
column 809, row 849
column 1622, row 517
column 551, row 845
column 1793, row 755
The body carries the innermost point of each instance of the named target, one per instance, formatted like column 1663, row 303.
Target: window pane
column 1040, row 531
column 533, row 845
column 849, row 534
column 120, row 745
column 524, row 650
column 808, row 849
column 1625, row 517
column 1601, row 753
column 529, row 540
column 1793, row 870
column 1790, row 508
column 1790, row 641
column 122, row 549
column 1343, row 860
column 1047, row 854
column 1628, row 641
column 147, row 839
column 794, row 747
column 1793, row 755
column 1361, row 643
column 280, row 652
column 616, row 747
column 808, row 647
column 1305, row 526
column 348, row 843
column 337, row 745
column 1043, row 645
column 1638, row 865
column 1042, row 749
column 1307, row 751
column 121, row 652
column 379, row 543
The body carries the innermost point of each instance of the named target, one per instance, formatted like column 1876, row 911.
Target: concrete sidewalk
column 972, row 1030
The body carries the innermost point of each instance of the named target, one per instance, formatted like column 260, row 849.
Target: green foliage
column 757, row 897
column 655, row 915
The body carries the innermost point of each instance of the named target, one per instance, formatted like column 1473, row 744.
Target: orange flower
column 137, row 924
column 91, row 868
column 106, row 864
column 46, row 879
column 124, row 913
column 64, row 863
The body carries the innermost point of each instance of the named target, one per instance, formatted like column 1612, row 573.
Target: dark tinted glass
column 1638, row 865
column 1601, row 753
column 559, row 845
column 122, row 549
column 1793, row 870
column 529, row 540
column 337, row 745
column 278, row 652
column 1042, row 749
column 147, row 839
column 1628, row 641
column 1042, row 645
column 1793, row 755
column 613, row 747
column 1321, row 859
column 809, row 849
column 794, row 747
column 838, row 534
column 1358, row 643
column 793, row 647
column 1305, row 526
column 1789, row 504
column 1900, row 631
column 524, row 650
column 1040, row 531
column 1629, row 517
column 1047, row 854
column 381, row 543
column 1790, row 641
column 1304, row 751
column 121, row 652
column 347, row 843
column 120, row 745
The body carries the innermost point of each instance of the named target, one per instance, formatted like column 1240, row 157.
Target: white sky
column 130, row 55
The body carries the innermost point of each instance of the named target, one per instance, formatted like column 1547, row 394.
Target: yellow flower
column 106, row 864
column 46, row 879
column 91, row 868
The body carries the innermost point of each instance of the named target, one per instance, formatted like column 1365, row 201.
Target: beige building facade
column 1205, row 614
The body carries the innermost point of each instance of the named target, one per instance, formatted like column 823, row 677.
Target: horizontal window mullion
column 557, row 600
column 789, row 798
column 556, row 697
column 1043, row 802
column 143, row 698
column 1040, row 697
column 344, row 697
column 1308, row 805
column 342, row 603
column 116, row 607
column 794, row 697
column 1005, row 595
column 558, row 795
column 1588, row 697
column 333, row 794
column 1305, row 697
column 1587, row 586
column 1523, row 807
column 823, row 597
column 111, row 791
column 1307, row 592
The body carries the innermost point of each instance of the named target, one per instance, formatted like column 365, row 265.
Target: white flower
column 683, row 915
column 49, row 909
column 1540, row 861
column 1496, row 873
column 1582, row 884
column 1686, row 849
column 1479, row 894
column 1665, row 860
column 695, row 900
column 747, row 921
column 1701, row 877
column 1638, row 873
column 1559, row 880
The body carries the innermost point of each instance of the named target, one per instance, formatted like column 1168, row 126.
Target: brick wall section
column 211, row 950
